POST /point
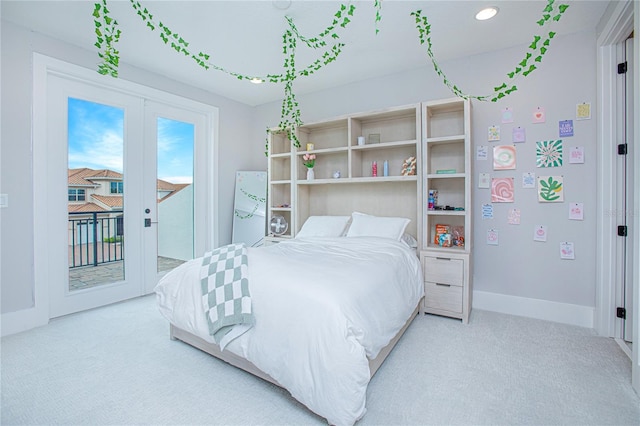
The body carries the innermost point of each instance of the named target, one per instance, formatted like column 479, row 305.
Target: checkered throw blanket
column 225, row 292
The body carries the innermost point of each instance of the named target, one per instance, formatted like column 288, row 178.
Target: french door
column 127, row 190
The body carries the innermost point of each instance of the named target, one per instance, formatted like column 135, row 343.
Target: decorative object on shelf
column 278, row 225
column 374, row 137
column 433, row 199
column 374, row 169
column 311, row 175
column 336, row 174
column 309, row 160
column 409, row 167
column 360, row 140
column 385, row 168
column 310, row 146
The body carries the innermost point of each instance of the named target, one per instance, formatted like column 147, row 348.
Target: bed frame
column 237, row 361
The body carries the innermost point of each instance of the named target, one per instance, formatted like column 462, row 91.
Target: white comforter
column 322, row 306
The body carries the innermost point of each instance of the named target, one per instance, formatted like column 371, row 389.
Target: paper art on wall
column 518, row 135
column 583, row 111
column 549, row 153
column 550, row 189
column 494, row 133
column 576, row 211
column 529, row 180
column 484, row 180
column 504, row 157
column 540, row 233
column 513, row 217
column 576, row 155
column 565, row 128
column 482, row 152
column 566, row 251
column 492, row 237
column 502, row 190
column 487, row 211
column 538, row 116
column 507, row 115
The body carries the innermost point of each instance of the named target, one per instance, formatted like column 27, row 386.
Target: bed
column 327, row 310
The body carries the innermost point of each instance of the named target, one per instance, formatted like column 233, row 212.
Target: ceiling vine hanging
column 526, row 66
column 108, row 34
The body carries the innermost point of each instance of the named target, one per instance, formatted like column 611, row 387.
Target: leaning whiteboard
column 249, row 210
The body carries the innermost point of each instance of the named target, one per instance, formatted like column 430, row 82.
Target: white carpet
column 116, row 365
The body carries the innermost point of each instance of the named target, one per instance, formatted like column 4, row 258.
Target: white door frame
column 618, row 27
column 206, row 194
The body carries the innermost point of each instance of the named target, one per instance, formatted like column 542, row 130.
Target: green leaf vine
column 537, row 49
column 107, row 35
column 290, row 113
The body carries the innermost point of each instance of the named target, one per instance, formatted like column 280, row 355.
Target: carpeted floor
column 116, row 365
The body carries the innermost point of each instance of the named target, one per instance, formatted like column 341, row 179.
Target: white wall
column 519, row 276
column 16, row 176
column 175, row 225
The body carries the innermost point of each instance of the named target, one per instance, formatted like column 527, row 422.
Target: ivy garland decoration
column 290, row 113
column 526, row 66
column 108, row 34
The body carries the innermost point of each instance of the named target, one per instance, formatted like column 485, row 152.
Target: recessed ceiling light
column 487, row 13
column 256, row 80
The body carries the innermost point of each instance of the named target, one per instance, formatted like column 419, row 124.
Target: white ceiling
column 246, row 36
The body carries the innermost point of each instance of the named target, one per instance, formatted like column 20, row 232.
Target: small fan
column 278, row 225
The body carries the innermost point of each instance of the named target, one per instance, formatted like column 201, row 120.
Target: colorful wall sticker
column 540, row 233
column 502, row 190
column 549, row 153
column 565, row 128
column 487, row 211
column 518, row 135
column 507, row 115
column 482, row 152
column 484, row 180
column 513, row 217
column 504, row 157
column 538, row 116
column 583, row 111
column 550, row 189
column 576, row 211
column 567, row 251
column 492, row 237
column 576, row 155
column 529, row 180
column 494, row 133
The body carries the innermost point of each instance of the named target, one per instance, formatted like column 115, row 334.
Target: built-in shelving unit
column 392, row 135
column 446, row 165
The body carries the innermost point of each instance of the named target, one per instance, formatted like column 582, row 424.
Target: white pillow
column 323, row 226
column 364, row 225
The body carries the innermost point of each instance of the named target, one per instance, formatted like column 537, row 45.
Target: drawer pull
column 443, row 285
column 444, row 258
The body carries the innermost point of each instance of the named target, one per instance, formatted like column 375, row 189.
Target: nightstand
column 447, row 284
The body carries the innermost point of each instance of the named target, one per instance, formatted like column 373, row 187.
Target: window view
column 175, row 141
column 95, row 214
column 96, row 188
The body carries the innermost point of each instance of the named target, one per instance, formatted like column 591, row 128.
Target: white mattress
column 322, row 306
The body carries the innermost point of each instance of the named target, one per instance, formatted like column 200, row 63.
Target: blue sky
column 95, row 141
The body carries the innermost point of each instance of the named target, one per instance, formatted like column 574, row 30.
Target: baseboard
column 17, row 322
column 565, row 313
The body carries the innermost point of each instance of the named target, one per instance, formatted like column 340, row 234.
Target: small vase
column 310, row 174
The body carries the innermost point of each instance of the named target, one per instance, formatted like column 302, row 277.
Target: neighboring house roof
column 177, row 187
column 86, row 207
column 84, row 176
column 108, row 200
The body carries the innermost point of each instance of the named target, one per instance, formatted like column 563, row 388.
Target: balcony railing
column 95, row 238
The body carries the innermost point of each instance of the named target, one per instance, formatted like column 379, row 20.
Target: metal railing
column 95, row 238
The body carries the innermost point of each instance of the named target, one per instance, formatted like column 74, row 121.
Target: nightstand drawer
column 443, row 297
column 443, row 270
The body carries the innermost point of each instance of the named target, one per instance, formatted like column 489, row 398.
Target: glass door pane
column 175, row 231
column 95, row 194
